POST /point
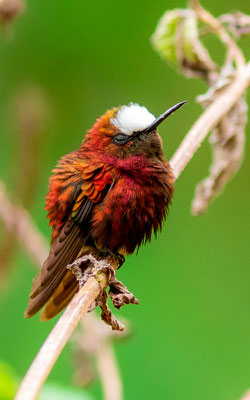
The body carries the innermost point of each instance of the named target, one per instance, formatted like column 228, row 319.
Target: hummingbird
column 108, row 197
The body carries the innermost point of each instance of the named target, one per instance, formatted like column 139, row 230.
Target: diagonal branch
column 219, row 30
column 57, row 339
column 18, row 221
column 94, row 339
column 246, row 396
column 209, row 119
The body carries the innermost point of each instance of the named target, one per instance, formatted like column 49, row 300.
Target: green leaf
column 176, row 39
column 58, row 392
column 8, row 382
column 164, row 37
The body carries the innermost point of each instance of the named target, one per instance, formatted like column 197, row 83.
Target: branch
column 209, row 119
column 29, row 118
column 95, row 339
column 59, row 336
column 10, row 9
column 246, row 396
column 18, row 221
column 220, row 31
column 108, row 372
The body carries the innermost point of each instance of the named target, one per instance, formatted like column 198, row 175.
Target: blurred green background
column 190, row 334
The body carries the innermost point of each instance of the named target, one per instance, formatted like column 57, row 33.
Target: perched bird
column 105, row 198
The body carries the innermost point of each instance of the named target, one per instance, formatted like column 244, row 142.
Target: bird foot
column 106, row 253
column 81, row 276
column 119, row 294
column 84, row 267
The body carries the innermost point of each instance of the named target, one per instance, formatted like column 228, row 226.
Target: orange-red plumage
column 106, row 196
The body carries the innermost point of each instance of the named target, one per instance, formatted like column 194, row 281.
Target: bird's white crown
column 132, row 118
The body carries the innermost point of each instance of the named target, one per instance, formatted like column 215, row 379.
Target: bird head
column 127, row 130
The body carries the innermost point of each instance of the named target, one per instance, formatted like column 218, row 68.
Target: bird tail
column 61, row 297
column 54, row 275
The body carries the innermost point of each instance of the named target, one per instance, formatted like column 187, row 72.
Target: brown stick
column 218, row 28
column 246, row 396
column 209, row 119
column 17, row 220
column 95, row 340
column 108, row 372
column 57, row 339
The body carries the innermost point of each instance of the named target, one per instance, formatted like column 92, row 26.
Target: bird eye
column 121, row 138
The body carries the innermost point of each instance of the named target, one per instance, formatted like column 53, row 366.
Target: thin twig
column 57, row 339
column 10, row 9
column 59, row 336
column 17, row 220
column 95, row 340
column 246, row 396
column 220, row 31
column 30, row 112
column 111, row 382
column 209, row 119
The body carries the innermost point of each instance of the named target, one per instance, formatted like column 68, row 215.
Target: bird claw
column 81, row 276
column 117, row 256
column 120, row 258
column 86, row 266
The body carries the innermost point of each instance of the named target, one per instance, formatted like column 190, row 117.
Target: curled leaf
column 176, row 39
column 120, row 295
column 237, row 22
column 227, row 141
column 106, row 314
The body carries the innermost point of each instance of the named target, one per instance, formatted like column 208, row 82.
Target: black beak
column 162, row 117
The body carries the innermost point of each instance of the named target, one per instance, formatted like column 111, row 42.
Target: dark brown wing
column 64, row 250
column 66, row 246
